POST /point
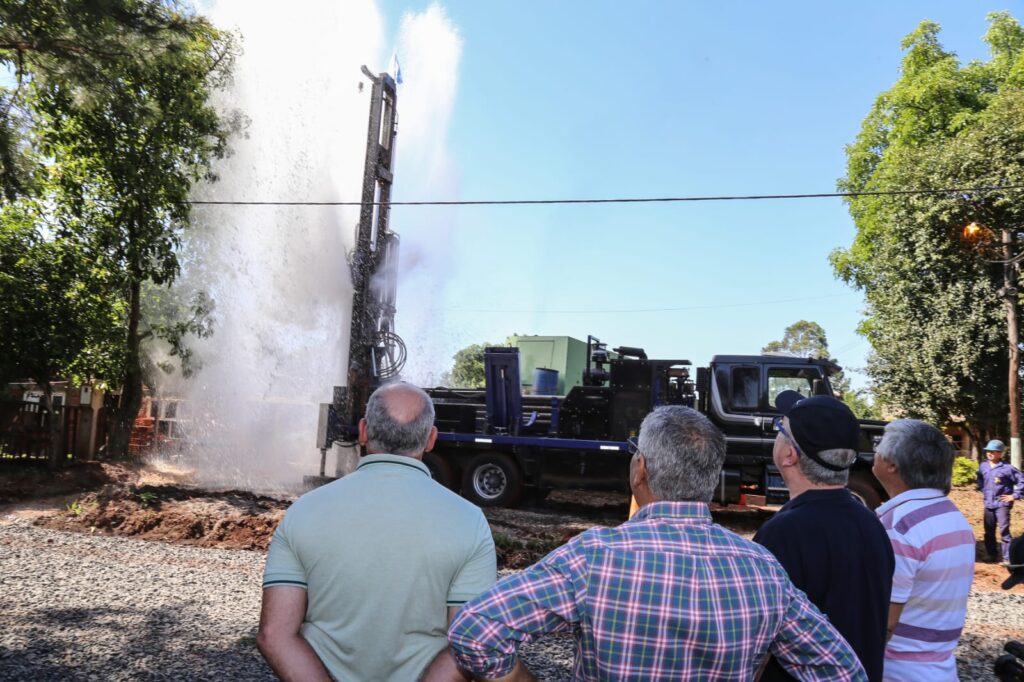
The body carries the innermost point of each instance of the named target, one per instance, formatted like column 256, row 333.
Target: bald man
column 364, row 574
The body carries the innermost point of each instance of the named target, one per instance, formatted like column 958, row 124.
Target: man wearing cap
column 831, row 545
column 1001, row 484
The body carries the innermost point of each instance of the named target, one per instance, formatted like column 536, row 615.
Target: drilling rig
column 376, row 353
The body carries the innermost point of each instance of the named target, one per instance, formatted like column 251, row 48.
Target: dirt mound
column 19, row 482
column 227, row 519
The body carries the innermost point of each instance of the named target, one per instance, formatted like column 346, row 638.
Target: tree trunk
column 131, row 391
column 53, row 425
column 975, row 436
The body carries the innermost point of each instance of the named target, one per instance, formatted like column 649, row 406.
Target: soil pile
column 230, row 519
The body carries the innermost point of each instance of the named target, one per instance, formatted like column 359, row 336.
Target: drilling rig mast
column 376, row 353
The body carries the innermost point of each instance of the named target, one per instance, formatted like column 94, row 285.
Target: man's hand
column 444, row 669
column 290, row 656
column 1006, row 498
column 895, row 611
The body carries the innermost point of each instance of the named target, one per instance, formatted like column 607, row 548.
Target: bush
column 965, row 471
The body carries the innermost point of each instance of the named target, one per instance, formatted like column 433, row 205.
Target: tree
column 57, row 320
column 77, row 43
column 125, row 158
column 468, row 366
column 934, row 317
column 803, row 339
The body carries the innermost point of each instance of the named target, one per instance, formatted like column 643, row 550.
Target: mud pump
column 376, row 352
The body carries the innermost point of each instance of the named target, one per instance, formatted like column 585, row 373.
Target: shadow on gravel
column 126, row 644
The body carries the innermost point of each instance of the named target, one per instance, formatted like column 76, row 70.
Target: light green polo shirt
column 382, row 553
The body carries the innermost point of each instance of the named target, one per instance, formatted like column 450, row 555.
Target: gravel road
column 81, row 607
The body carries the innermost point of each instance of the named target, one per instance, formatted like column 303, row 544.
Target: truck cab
column 737, row 392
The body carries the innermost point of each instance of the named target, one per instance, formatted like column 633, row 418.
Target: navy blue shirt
column 996, row 480
column 836, row 550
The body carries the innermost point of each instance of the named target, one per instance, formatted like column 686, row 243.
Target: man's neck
column 802, row 485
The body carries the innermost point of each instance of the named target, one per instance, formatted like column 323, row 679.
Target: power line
column 624, row 200
column 652, row 310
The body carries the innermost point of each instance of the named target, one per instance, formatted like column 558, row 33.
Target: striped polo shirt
column 934, row 548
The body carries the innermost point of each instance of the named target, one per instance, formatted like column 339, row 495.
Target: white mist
column 279, row 275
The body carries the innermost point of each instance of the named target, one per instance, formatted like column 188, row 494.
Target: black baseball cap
column 820, row 423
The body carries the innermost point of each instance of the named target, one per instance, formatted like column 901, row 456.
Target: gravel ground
column 80, row 607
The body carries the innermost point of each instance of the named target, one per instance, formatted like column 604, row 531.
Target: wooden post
column 1013, row 340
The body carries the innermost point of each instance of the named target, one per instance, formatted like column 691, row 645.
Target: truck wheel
column 865, row 492
column 492, row 479
column 441, row 470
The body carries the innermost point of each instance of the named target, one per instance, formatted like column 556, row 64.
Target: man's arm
column 895, row 611
column 289, row 655
column 486, row 634
column 810, row 649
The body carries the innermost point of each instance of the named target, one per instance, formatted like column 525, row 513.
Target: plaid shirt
column 666, row 595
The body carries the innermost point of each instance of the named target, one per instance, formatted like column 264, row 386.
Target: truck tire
column 441, row 470
column 864, row 491
column 492, row 479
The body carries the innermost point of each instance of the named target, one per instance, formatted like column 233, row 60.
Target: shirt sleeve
column 283, row 567
column 810, row 649
column 1018, row 483
column 980, row 478
column 480, row 570
column 487, row 632
column 906, row 567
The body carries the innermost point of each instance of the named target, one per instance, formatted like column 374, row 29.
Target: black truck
column 496, row 446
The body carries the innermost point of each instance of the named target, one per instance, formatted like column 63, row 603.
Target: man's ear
column 431, row 439
column 639, row 473
column 363, row 439
column 791, row 457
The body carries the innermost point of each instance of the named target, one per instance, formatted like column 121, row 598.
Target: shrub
column 965, row 471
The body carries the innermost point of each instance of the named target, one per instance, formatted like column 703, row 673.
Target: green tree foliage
column 468, row 368
column 803, row 339
column 117, row 97
column 75, row 43
column 934, row 318
column 57, row 320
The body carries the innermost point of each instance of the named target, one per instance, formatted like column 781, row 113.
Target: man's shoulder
column 917, row 521
column 710, row 538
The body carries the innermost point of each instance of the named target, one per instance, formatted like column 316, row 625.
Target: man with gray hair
column 360, row 571
column 831, row 545
column 668, row 595
column 934, row 547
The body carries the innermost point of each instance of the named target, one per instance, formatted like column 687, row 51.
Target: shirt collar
column 907, row 496
column 393, row 461
column 818, row 495
column 696, row 511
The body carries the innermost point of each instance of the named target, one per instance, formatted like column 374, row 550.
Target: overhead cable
column 623, row 200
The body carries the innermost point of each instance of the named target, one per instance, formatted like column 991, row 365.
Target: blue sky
column 602, row 99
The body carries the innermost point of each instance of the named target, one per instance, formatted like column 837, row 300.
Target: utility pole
column 1009, row 292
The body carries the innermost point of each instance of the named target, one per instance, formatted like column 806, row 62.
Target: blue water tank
column 545, row 381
